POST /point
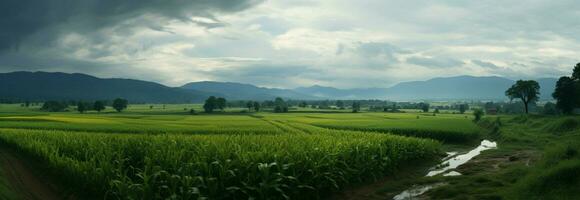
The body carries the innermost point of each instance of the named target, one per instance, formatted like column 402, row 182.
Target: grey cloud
column 436, row 62
column 373, row 49
column 485, row 64
column 22, row 19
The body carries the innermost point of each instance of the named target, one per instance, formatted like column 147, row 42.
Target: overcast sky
column 291, row 43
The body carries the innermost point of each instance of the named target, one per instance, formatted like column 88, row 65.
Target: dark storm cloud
column 45, row 20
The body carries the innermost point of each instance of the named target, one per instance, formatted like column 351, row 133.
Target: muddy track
column 23, row 181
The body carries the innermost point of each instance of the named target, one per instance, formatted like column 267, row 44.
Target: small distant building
column 491, row 111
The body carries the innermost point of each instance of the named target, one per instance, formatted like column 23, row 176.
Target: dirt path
column 24, row 183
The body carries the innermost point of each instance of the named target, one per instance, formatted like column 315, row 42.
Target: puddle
column 452, row 173
column 456, row 161
column 452, row 161
column 416, row 191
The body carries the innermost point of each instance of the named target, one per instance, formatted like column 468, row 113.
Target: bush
column 54, row 106
column 564, row 125
column 478, row 114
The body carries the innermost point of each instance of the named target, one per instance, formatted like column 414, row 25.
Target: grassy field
column 165, row 153
column 146, row 153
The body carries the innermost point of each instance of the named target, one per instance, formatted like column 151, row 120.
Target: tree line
column 118, row 104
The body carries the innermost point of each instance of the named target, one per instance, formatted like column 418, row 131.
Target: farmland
column 169, row 153
column 144, row 154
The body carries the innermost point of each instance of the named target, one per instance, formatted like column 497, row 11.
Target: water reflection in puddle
column 452, row 161
column 456, row 161
column 416, row 191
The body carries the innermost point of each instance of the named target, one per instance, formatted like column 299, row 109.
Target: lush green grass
column 444, row 127
column 532, row 162
column 297, row 164
column 144, row 152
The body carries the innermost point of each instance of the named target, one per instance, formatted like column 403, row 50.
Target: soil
column 23, row 181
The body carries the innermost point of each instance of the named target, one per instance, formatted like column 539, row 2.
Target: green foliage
column 563, row 125
column 81, row 107
column 550, row 109
column 557, row 176
column 213, row 103
column 526, row 91
column 478, row 114
column 355, row 106
column 424, row 107
column 174, row 166
column 99, row 106
column 566, row 94
column 120, row 104
column 54, row 106
column 280, row 105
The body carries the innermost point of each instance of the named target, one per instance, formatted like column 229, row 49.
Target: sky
column 291, row 43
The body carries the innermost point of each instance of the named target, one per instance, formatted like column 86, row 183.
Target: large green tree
column 99, row 106
column 82, row 107
column 527, row 91
column 221, row 103
column 210, row 104
column 567, row 93
column 120, row 104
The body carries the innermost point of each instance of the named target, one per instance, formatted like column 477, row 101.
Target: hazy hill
column 334, row 93
column 240, row 91
column 460, row 87
column 38, row 86
column 61, row 86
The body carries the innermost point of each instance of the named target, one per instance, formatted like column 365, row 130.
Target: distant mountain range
column 37, row 86
column 40, row 86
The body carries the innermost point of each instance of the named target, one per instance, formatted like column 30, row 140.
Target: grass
column 159, row 153
column 304, row 154
column 217, row 166
column 532, row 162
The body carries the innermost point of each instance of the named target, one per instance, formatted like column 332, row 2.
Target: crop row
column 441, row 135
column 306, row 164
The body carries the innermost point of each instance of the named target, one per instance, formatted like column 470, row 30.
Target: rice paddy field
column 167, row 153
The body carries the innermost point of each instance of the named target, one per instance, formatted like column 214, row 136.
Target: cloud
column 48, row 19
column 485, row 64
column 289, row 43
column 435, row 62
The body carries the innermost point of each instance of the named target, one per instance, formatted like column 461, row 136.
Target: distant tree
column 99, row 106
column 436, row 110
column 566, row 94
column 192, row 111
column 81, row 107
column 355, row 106
column 27, row 104
column 250, row 105
column 120, row 104
column 478, row 114
column 280, row 105
column 303, row 104
column 463, row 108
column 425, row 107
column 210, row 104
column 221, row 103
column 151, row 107
column 340, row 104
column 257, row 106
column 550, row 109
column 526, row 91
column 54, row 106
